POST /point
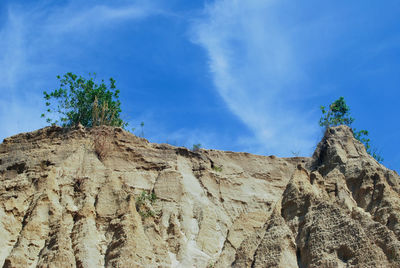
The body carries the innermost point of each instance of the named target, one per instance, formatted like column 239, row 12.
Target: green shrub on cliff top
column 81, row 100
column 337, row 114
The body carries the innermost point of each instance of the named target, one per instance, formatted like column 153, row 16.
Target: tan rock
column 61, row 205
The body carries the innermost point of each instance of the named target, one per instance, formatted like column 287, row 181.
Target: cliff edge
column 103, row 197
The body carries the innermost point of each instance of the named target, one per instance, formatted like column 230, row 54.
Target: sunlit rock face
column 105, row 198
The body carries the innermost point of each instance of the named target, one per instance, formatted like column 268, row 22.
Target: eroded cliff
column 86, row 198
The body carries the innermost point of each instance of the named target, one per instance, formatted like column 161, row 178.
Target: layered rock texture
column 105, row 198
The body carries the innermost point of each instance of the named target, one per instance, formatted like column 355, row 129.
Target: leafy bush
column 362, row 136
column 81, row 100
column 339, row 114
column 143, row 204
column 217, row 168
column 196, row 147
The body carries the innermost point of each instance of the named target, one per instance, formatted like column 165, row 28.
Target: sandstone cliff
column 86, row 198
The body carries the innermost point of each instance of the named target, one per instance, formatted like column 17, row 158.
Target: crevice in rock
column 253, row 261
column 28, row 212
column 344, row 253
column 18, row 167
column 7, row 264
column 74, row 245
column 298, row 257
column 41, row 252
column 116, row 242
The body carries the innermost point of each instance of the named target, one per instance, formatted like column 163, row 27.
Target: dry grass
column 100, row 114
column 101, row 138
column 101, row 143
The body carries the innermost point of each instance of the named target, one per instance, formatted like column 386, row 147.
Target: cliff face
column 86, row 198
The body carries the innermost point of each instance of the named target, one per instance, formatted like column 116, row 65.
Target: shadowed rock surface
column 85, row 198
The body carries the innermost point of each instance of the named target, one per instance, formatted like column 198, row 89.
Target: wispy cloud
column 35, row 41
column 94, row 17
column 257, row 72
column 12, row 57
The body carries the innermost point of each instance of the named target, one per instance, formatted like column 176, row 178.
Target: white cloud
column 256, row 71
column 13, row 55
column 89, row 18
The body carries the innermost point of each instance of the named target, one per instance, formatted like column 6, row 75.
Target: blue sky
column 232, row 75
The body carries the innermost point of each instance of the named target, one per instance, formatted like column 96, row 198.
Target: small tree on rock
column 339, row 114
column 81, row 100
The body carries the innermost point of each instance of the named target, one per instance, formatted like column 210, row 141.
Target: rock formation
column 103, row 197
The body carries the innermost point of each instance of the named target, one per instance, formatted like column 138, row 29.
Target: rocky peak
column 103, row 197
column 337, row 148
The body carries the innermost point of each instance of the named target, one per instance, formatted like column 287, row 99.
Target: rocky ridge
column 103, row 197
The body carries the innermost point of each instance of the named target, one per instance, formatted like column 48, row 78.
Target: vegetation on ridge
column 81, row 100
column 339, row 114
